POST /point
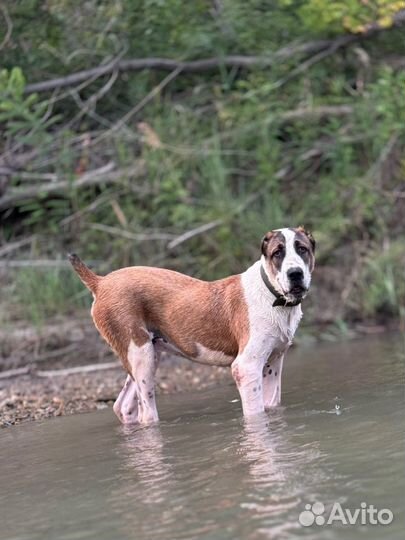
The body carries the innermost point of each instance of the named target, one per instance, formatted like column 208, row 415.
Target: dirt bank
column 43, row 372
column 30, row 397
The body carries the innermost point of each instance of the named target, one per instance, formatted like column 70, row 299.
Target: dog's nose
column 295, row 274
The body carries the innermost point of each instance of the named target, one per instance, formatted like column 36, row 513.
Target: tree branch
column 316, row 113
column 105, row 174
column 207, row 64
column 9, row 25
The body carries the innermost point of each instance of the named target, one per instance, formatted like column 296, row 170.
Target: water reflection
column 259, row 441
column 146, row 479
column 141, row 452
column 280, row 472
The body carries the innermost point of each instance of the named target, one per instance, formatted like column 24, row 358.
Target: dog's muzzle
column 296, row 279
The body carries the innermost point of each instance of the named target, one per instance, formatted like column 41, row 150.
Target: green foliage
column 383, row 281
column 42, row 294
column 352, row 15
column 22, row 117
column 217, row 147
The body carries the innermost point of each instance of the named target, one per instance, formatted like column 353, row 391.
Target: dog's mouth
column 298, row 291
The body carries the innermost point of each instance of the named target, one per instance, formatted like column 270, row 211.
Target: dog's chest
column 278, row 324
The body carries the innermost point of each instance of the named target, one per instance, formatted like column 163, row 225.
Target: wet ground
column 205, row 473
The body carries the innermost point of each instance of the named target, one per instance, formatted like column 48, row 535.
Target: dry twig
column 194, row 232
column 9, row 25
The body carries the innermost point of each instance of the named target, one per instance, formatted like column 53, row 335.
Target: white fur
column 271, row 331
column 211, row 357
column 143, row 364
column 272, row 379
column 291, row 260
column 126, row 404
column 277, row 323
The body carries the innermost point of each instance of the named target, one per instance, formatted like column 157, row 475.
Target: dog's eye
column 277, row 254
column 301, row 250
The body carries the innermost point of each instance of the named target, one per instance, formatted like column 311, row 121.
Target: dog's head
column 288, row 257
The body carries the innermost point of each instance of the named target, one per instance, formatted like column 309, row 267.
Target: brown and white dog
column 245, row 321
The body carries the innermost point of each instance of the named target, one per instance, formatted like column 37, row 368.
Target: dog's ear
column 309, row 235
column 265, row 242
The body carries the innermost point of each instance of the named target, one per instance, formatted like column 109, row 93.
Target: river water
column 206, row 473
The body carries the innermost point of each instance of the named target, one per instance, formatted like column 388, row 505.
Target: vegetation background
column 149, row 155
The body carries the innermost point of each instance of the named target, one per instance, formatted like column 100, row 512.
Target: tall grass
column 40, row 295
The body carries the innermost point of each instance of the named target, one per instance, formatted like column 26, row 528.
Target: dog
column 245, row 321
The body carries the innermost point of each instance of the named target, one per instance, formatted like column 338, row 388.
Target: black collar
column 280, row 300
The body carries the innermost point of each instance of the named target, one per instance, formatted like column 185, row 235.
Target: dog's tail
column 89, row 278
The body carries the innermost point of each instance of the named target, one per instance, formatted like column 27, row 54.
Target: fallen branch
column 168, row 64
column 79, row 369
column 103, row 175
column 15, row 372
column 208, row 64
column 316, row 113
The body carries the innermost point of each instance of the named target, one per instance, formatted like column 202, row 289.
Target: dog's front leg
column 272, row 380
column 247, row 371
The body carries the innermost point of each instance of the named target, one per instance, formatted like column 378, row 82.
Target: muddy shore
column 43, row 372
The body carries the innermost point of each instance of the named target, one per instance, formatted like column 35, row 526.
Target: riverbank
column 65, row 368
column 31, row 397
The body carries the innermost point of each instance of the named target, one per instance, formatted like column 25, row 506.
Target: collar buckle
column 280, row 300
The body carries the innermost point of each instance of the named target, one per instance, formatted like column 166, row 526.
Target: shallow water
column 205, row 473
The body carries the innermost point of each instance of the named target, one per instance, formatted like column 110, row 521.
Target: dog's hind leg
column 272, row 381
column 143, row 363
column 126, row 404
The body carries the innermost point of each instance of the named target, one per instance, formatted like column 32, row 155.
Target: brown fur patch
column 272, row 243
column 134, row 301
column 89, row 278
column 306, row 239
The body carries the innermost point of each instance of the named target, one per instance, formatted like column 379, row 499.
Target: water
column 205, row 473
